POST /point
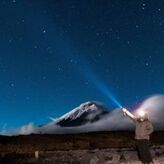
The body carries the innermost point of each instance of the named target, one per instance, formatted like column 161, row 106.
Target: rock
column 108, row 162
column 94, row 160
column 101, row 156
column 152, row 152
column 158, row 151
column 36, row 154
column 85, row 158
column 116, row 159
column 162, row 147
column 159, row 160
column 130, row 155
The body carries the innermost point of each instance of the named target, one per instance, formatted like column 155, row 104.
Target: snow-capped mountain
column 88, row 117
column 85, row 113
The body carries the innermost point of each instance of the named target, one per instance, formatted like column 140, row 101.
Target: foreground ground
column 89, row 148
column 104, row 156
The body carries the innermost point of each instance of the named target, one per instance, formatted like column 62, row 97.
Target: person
column 143, row 129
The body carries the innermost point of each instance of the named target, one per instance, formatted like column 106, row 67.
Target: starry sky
column 53, row 51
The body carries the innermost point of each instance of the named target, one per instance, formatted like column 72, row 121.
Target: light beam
column 100, row 85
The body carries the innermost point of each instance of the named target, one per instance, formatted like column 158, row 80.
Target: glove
column 124, row 111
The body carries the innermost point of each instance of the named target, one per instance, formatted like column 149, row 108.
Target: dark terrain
column 14, row 149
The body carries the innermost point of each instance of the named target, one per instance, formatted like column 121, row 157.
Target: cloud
column 3, row 131
column 112, row 121
column 115, row 120
column 154, row 106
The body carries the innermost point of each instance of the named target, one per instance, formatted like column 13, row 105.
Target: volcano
column 88, row 117
column 88, row 112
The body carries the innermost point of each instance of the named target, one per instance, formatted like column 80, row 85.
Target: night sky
column 53, row 52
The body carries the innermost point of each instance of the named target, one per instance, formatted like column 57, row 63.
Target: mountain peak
column 87, row 112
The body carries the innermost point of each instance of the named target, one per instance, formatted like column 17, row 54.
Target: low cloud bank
column 115, row 120
column 112, row 121
column 154, row 106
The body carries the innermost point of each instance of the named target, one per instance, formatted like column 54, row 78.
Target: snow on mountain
column 85, row 113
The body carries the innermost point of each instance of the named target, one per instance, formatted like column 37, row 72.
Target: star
column 60, row 69
column 118, row 37
column 35, row 46
column 128, row 42
column 147, row 64
column 12, row 85
column 49, row 50
column 97, row 33
column 44, row 77
column 86, row 83
column 71, row 60
column 99, row 55
column 44, row 31
column 10, row 40
column 161, row 23
column 73, row 7
column 45, row 11
column 137, row 26
column 143, row 6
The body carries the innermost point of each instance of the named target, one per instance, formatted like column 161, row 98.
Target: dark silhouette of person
column 143, row 129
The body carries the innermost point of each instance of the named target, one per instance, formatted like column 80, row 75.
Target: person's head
column 142, row 115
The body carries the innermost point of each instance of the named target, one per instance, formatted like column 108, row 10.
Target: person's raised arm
column 127, row 113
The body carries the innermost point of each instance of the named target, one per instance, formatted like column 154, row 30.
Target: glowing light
column 126, row 112
column 124, row 109
column 141, row 113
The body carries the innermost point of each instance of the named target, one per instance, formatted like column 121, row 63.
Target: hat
column 142, row 114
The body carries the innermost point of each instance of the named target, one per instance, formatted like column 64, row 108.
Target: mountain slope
column 86, row 113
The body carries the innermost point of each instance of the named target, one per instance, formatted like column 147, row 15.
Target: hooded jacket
column 143, row 129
